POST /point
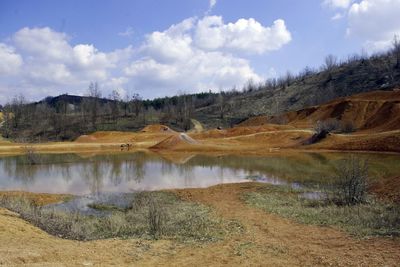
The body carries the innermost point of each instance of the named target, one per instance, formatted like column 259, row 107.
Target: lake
column 137, row 171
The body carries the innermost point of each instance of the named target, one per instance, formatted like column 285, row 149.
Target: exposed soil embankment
column 379, row 142
column 376, row 111
column 374, row 120
column 239, row 131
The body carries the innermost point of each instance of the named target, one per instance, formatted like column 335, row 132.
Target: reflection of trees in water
column 93, row 176
column 115, row 172
column 167, row 167
column 99, row 170
column 18, row 168
column 299, row 167
column 139, row 166
column 122, row 169
column 65, row 171
column 187, row 172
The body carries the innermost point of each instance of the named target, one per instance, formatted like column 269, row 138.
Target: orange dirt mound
column 378, row 111
column 174, row 141
column 86, row 139
column 106, row 137
column 156, row 128
column 238, row 131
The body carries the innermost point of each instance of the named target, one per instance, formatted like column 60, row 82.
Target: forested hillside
column 66, row 117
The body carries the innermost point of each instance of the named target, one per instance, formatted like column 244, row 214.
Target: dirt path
column 266, row 240
column 272, row 241
column 198, row 127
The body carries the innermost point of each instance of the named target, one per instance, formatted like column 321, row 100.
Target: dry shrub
column 350, row 183
column 327, row 126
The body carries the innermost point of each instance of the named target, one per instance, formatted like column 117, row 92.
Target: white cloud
column 10, row 62
column 337, row 16
column 245, row 35
column 127, row 33
column 40, row 61
column 335, row 4
column 52, row 64
column 170, row 45
column 199, row 54
column 212, row 3
column 374, row 21
column 202, row 71
column 43, row 43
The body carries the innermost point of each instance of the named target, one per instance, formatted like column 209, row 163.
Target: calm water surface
column 130, row 172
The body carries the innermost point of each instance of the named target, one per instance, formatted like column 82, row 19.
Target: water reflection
column 127, row 172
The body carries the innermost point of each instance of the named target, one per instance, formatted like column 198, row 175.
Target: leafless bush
column 350, row 182
column 322, row 129
column 327, row 126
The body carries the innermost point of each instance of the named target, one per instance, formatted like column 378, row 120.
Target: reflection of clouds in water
column 111, row 175
column 128, row 172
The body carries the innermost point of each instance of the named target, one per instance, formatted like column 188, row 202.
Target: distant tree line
column 65, row 117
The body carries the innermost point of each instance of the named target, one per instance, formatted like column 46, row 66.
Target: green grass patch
column 153, row 215
column 372, row 218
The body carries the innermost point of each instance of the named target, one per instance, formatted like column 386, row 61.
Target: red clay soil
column 238, row 131
column 105, row 136
column 157, row 128
column 174, row 141
column 376, row 111
column 387, row 189
column 380, row 142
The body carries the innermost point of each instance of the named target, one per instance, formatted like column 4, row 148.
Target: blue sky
column 52, row 47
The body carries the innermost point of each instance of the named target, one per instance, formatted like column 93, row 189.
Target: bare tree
column 396, row 50
column 137, row 104
column 7, row 120
column 94, row 95
column 221, row 104
column 114, row 104
column 126, row 101
column 330, row 62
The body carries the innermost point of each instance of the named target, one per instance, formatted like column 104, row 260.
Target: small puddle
column 81, row 204
column 273, row 180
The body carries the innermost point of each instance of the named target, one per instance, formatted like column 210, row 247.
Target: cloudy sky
column 157, row 48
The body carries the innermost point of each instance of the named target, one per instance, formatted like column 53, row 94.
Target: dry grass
column 371, row 218
column 152, row 215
